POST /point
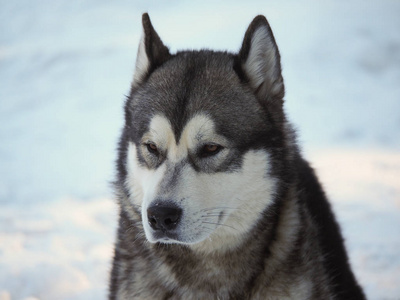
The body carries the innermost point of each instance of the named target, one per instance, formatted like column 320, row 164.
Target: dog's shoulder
column 329, row 236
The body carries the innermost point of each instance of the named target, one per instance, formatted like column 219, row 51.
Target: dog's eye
column 210, row 149
column 152, row 148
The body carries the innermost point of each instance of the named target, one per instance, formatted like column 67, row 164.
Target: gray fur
column 280, row 241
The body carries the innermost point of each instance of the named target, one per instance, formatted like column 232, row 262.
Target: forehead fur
column 199, row 82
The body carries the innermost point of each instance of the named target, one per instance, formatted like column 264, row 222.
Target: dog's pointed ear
column 259, row 60
column 152, row 53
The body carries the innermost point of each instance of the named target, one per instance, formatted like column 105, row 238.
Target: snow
column 65, row 67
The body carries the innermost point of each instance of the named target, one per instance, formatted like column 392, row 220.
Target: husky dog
column 215, row 199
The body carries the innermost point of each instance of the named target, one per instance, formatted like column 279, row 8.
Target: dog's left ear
column 152, row 53
column 259, row 60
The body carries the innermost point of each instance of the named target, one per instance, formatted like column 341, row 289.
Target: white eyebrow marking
column 199, row 129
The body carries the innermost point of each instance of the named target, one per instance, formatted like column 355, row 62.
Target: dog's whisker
column 221, row 215
column 138, row 237
column 208, row 230
column 220, row 224
column 218, row 210
column 233, row 218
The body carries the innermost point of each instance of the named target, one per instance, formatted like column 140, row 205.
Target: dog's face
column 189, row 187
column 199, row 140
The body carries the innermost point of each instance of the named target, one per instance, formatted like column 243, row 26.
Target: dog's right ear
column 152, row 53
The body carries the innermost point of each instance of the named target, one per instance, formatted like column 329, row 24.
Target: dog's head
column 201, row 149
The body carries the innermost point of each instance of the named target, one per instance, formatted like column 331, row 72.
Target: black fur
column 331, row 241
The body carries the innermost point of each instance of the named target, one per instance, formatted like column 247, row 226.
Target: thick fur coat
column 215, row 199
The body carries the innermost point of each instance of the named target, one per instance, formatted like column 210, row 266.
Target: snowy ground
column 66, row 65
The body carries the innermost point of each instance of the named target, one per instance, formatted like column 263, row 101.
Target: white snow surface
column 66, row 66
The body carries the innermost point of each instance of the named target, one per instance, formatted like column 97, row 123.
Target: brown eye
column 210, row 149
column 152, row 148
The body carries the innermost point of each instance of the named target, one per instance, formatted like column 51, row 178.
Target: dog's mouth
column 186, row 236
column 166, row 237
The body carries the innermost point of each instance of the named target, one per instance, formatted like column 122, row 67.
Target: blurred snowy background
column 65, row 67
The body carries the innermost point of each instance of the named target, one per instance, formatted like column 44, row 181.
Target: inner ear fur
column 152, row 53
column 258, row 61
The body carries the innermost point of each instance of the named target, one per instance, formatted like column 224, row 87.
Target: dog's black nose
column 163, row 217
